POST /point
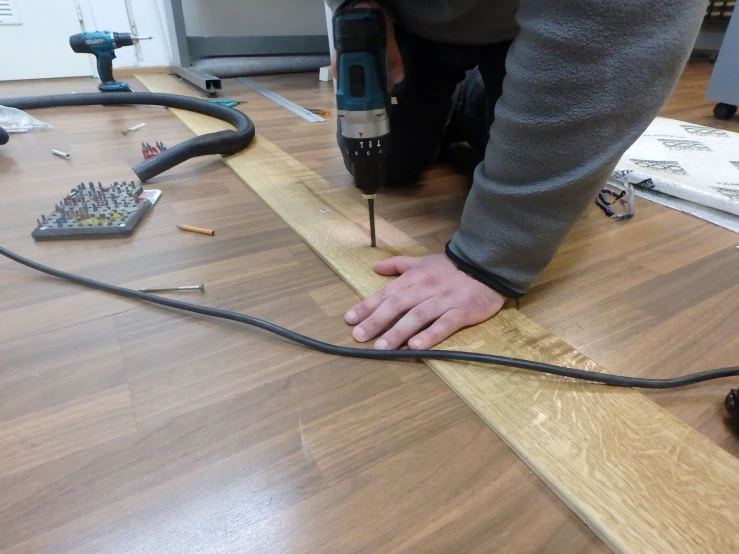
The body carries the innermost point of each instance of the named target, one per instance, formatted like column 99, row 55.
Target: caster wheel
column 724, row 111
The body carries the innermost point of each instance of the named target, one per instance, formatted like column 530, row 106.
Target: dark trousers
column 448, row 95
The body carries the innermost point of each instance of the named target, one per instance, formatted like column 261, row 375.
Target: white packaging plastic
column 17, row 121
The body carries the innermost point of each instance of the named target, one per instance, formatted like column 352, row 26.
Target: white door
column 34, row 40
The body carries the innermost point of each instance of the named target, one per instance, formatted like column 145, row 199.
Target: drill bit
column 371, row 206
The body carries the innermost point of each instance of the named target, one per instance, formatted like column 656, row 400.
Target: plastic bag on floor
column 17, row 121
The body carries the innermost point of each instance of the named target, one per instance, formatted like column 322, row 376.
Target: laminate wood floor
column 131, row 428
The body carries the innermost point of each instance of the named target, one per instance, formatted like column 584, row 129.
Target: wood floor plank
column 399, row 488
column 696, row 282
column 602, row 451
column 38, row 371
column 33, row 439
column 243, row 456
column 717, row 313
column 554, row 302
column 335, row 299
column 356, row 426
column 249, row 455
column 652, row 226
column 683, row 248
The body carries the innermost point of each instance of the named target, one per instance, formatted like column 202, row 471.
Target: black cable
column 605, row 378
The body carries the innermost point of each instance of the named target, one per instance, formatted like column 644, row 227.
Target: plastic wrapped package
column 18, row 121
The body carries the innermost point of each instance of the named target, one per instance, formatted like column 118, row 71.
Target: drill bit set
column 150, row 151
column 96, row 212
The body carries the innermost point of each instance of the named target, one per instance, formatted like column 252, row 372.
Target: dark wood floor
column 136, row 429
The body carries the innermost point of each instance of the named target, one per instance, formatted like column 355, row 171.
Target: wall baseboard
column 131, row 70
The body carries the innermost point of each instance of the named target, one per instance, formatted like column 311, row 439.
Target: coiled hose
column 225, row 143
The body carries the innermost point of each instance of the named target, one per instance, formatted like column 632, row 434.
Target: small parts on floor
column 617, row 200
column 134, row 128
column 90, row 211
column 318, row 111
column 226, row 103
column 199, row 230
column 62, row 154
column 150, row 151
column 188, row 288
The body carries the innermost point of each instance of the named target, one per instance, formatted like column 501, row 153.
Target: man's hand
column 395, row 71
column 430, row 292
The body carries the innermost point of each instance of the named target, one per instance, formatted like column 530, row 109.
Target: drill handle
column 359, row 39
column 105, row 66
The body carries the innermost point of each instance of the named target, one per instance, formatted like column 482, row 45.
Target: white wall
column 37, row 45
column 148, row 16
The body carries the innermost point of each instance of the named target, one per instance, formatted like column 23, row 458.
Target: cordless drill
column 102, row 44
column 363, row 98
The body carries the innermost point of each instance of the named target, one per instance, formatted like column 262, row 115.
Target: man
column 568, row 86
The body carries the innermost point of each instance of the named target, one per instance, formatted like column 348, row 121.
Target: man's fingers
column 412, row 322
column 393, row 307
column 364, row 309
column 397, row 265
column 448, row 323
column 361, row 311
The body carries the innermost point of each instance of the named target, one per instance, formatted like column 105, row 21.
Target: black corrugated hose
column 230, row 142
column 225, row 143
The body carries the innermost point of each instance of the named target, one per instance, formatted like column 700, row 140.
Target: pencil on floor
column 200, row 230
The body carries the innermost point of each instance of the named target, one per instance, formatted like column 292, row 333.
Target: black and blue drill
column 102, row 44
column 363, row 99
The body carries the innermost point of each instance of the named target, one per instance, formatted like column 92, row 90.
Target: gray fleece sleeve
column 584, row 80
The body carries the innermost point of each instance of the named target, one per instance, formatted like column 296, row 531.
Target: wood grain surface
column 591, row 294
column 129, row 428
column 243, row 443
column 615, row 457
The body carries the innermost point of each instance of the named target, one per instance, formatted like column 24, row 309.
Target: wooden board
column 641, row 479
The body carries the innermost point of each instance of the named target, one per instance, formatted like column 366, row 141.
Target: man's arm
column 584, row 80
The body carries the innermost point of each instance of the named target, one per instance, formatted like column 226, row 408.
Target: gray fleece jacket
column 584, row 80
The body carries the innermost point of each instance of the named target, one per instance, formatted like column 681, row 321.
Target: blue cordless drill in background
column 102, row 44
column 363, row 99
